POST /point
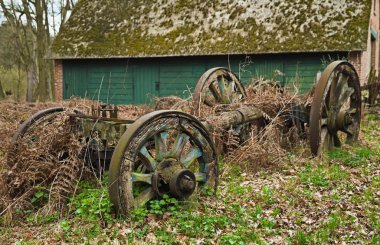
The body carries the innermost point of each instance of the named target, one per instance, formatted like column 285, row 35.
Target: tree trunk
column 33, row 40
column 41, row 62
column 2, row 95
column 31, row 82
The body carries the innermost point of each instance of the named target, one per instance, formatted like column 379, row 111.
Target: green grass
column 13, row 83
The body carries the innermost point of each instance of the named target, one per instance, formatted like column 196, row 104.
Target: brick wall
column 356, row 59
column 364, row 60
column 58, row 80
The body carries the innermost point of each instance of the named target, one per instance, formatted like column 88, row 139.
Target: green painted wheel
column 163, row 152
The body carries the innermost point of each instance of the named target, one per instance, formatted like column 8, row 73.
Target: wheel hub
column 170, row 177
column 167, row 167
column 182, row 183
column 343, row 120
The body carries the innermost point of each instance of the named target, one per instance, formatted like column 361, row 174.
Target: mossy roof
column 153, row 28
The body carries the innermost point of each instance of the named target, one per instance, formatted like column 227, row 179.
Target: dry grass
column 255, row 145
column 172, row 103
column 268, row 145
column 46, row 158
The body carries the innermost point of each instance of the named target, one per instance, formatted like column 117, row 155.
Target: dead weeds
column 46, row 159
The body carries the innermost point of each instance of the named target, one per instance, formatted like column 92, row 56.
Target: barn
column 127, row 52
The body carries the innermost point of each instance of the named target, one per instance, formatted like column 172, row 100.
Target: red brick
column 58, row 80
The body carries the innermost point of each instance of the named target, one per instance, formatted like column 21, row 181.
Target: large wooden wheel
column 38, row 118
column 31, row 130
column 336, row 108
column 163, row 152
column 217, row 86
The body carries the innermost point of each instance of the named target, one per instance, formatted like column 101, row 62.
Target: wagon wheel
column 217, row 86
column 38, row 119
column 34, row 120
column 163, row 152
column 336, row 108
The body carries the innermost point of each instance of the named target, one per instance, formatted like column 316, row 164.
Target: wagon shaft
column 233, row 118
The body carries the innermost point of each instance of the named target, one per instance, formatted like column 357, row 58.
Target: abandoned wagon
column 173, row 152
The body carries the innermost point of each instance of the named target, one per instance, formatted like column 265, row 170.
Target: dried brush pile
column 46, row 159
column 268, row 145
column 261, row 143
column 172, row 103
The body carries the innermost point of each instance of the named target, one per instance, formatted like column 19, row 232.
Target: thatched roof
column 151, row 28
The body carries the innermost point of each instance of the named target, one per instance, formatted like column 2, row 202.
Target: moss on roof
column 149, row 28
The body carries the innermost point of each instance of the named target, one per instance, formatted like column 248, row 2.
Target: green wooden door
column 146, row 79
column 300, row 74
column 112, row 84
column 73, row 77
column 137, row 81
column 106, row 82
column 178, row 77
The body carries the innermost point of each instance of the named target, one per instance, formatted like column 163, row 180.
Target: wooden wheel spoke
column 333, row 88
column 200, row 177
column 325, row 109
column 229, row 86
column 221, row 84
column 191, row 156
column 223, row 87
column 329, row 143
column 336, row 140
column 147, row 158
column 208, row 100
column 140, row 177
column 327, row 140
column 236, row 94
column 342, row 82
column 352, row 111
column 179, row 144
column 215, row 93
column 324, row 134
column 347, row 92
column 324, row 122
column 144, row 197
column 160, row 141
column 351, row 130
column 233, row 87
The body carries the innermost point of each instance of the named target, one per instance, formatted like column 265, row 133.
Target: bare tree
column 30, row 21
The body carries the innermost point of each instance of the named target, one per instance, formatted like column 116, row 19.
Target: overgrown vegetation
column 330, row 199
